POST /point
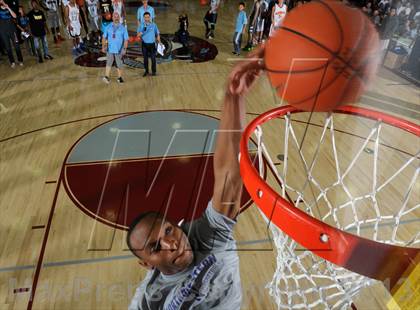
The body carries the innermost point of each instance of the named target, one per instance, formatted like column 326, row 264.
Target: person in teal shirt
column 114, row 44
column 241, row 21
column 143, row 9
column 148, row 33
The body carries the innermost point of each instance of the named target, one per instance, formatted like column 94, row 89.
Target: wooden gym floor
column 46, row 108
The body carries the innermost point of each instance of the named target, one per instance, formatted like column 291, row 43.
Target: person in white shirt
column 277, row 16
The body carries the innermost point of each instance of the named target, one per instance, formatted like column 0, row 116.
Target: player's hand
column 245, row 73
column 70, row 28
column 123, row 52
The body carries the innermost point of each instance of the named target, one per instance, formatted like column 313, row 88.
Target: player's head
column 116, row 18
column 146, row 17
column 241, row 6
column 144, row 2
column 159, row 244
column 21, row 10
column 393, row 11
column 34, row 4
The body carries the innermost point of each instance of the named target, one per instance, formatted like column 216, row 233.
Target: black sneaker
column 48, row 57
column 120, row 80
column 145, row 74
column 106, row 79
column 40, row 60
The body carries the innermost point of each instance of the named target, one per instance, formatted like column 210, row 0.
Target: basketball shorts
column 111, row 57
column 53, row 19
column 211, row 17
column 75, row 32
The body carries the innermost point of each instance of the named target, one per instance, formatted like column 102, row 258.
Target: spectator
column 143, row 9
column 148, row 33
column 115, row 42
column 119, row 7
column 106, row 10
column 277, row 15
column 74, row 25
column 376, row 19
column 210, row 19
column 93, row 10
column 182, row 35
column 388, row 28
column 38, row 25
column 83, row 16
column 23, row 26
column 241, row 21
column 8, row 33
column 51, row 8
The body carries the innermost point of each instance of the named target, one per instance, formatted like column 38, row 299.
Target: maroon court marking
column 44, row 242
column 21, row 290
column 38, row 226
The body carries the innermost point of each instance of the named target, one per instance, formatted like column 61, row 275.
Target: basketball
column 323, row 56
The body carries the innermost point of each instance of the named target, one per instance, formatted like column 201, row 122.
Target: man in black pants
column 148, row 33
column 8, row 33
column 210, row 19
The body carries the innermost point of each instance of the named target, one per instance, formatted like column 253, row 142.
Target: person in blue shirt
column 8, row 33
column 148, row 33
column 143, row 9
column 114, row 44
column 241, row 22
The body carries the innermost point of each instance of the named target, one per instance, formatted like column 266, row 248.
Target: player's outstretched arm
column 228, row 182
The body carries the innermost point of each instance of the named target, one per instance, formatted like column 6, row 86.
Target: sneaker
column 12, row 65
column 145, row 74
column 106, row 79
column 120, row 80
column 40, row 60
column 21, row 64
column 48, row 57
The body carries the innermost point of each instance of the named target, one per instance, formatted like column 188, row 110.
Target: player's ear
column 144, row 264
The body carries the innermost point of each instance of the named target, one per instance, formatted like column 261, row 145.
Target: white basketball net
column 303, row 280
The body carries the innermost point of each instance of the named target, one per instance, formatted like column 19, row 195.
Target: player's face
column 34, row 5
column 241, row 7
column 147, row 18
column 162, row 245
column 144, row 2
column 116, row 18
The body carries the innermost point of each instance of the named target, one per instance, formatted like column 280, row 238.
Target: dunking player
column 195, row 265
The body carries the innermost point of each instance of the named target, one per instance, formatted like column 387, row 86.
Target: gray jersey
column 211, row 282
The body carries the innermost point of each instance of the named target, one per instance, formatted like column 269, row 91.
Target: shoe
column 21, row 64
column 106, row 79
column 48, row 57
column 120, row 80
column 40, row 60
column 12, row 65
column 145, row 74
column 154, row 74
